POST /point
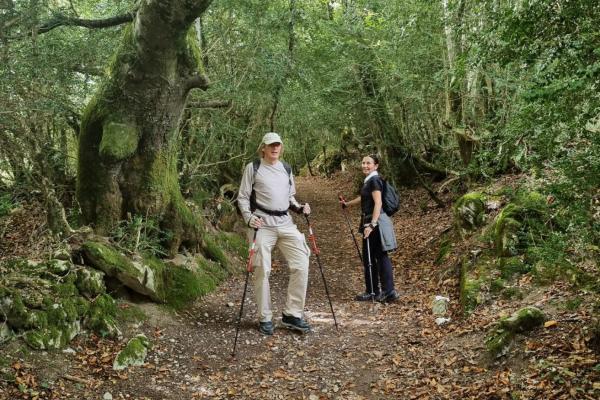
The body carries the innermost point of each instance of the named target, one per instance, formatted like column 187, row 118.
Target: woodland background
column 455, row 95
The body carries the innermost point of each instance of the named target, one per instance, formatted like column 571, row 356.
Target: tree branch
column 197, row 81
column 63, row 20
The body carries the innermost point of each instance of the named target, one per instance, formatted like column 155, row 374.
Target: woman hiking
column 378, row 236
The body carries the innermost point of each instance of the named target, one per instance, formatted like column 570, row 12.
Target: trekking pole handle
column 311, row 236
column 249, row 266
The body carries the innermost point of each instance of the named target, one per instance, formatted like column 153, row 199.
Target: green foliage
column 130, row 313
column 6, row 204
column 140, row 235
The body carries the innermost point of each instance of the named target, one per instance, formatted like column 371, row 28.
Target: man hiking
column 266, row 194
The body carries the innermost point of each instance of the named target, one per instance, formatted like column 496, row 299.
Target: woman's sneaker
column 365, row 297
column 388, row 297
column 295, row 323
column 266, row 328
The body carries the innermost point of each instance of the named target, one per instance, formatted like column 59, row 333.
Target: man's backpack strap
column 286, row 166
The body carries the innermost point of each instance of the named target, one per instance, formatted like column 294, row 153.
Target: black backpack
column 389, row 198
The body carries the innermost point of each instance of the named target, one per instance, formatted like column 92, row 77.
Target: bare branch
column 63, row 20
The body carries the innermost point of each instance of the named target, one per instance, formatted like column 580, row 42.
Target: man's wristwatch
column 373, row 224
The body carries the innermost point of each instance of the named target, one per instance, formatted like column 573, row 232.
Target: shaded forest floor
column 380, row 351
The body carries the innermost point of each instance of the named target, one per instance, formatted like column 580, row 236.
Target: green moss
column 234, row 243
column 473, row 278
column 523, row 320
column 445, row 247
column 53, row 337
column 119, row 140
column 134, row 353
column 499, row 338
column 512, row 293
column 63, row 311
column 107, row 259
column 131, row 314
column 573, row 304
column 159, row 276
column 101, row 316
column 520, row 224
column 469, row 211
column 214, row 252
column 82, row 306
column 20, row 317
column 183, row 286
column 67, row 288
column 497, row 285
column 510, row 266
column 58, row 267
column 90, row 282
column 498, row 341
column 506, row 229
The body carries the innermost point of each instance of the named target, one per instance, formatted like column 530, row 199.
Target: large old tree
column 129, row 134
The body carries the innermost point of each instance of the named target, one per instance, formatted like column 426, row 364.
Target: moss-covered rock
column 499, row 338
column 145, row 277
column 185, row 285
column 134, row 353
column 523, row 320
column 90, row 282
column 53, row 337
column 519, row 222
column 471, row 285
column 469, row 211
column 59, row 267
column 66, row 287
column 62, row 253
column 19, row 317
column 101, row 316
column 6, row 333
column 498, row 341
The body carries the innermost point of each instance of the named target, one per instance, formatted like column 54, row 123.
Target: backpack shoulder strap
column 286, row 166
column 288, row 169
column 255, row 166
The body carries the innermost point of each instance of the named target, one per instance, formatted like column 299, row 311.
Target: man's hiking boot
column 266, row 328
column 388, row 297
column 365, row 297
column 295, row 323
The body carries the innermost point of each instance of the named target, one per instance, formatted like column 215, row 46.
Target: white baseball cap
column 271, row 137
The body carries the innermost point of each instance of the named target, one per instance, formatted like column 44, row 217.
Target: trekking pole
column 345, row 212
column 313, row 240
column 249, row 269
column 370, row 269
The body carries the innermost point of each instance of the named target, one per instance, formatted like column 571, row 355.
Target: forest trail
column 380, row 351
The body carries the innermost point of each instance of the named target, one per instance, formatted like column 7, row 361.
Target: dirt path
column 379, row 351
column 393, row 351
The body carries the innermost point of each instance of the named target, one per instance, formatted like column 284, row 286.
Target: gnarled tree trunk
column 128, row 143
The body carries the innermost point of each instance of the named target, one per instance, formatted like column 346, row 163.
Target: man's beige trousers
column 296, row 252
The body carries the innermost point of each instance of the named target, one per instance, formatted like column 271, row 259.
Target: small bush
column 140, row 235
column 6, row 204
